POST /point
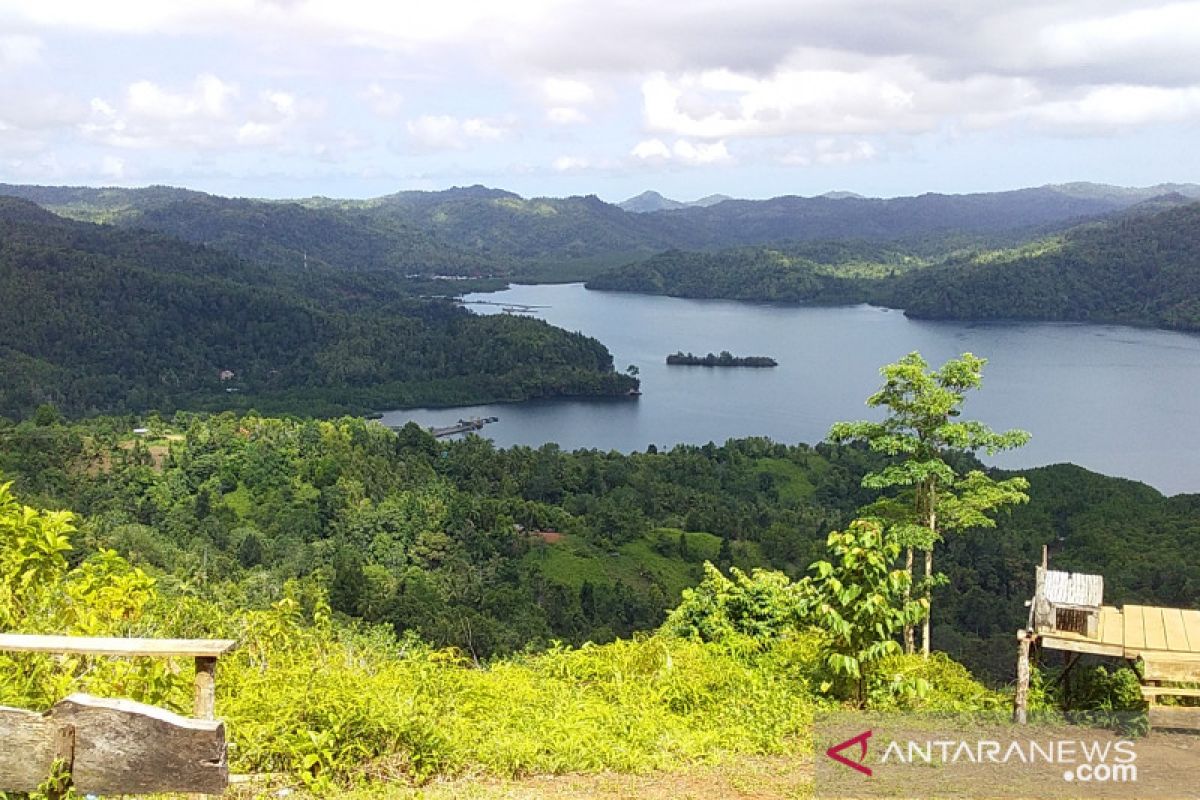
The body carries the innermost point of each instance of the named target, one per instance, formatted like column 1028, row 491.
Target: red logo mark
column 835, row 753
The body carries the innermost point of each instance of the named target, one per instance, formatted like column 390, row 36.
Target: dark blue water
column 1121, row 401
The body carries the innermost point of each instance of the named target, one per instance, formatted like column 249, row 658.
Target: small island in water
column 725, row 359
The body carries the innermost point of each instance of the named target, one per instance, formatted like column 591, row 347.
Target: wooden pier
column 463, row 426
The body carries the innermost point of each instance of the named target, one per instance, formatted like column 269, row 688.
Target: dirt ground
column 757, row 778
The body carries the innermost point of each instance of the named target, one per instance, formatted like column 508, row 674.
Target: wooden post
column 1021, row 697
column 206, row 697
column 64, row 746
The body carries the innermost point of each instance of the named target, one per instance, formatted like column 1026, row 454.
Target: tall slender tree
column 919, row 433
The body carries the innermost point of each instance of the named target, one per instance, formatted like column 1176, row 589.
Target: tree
column 860, row 601
column 919, row 433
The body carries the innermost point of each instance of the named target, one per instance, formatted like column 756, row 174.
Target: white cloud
column 210, row 114
column 17, row 50
column 701, row 153
column 564, row 98
column 209, row 97
column 651, row 149
column 567, row 92
column 683, row 151
column 828, row 152
column 445, row 132
column 1152, row 43
column 1108, row 108
column 570, row 164
column 565, row 115
column 720, row 103
column 383, row 102
column 112, row 167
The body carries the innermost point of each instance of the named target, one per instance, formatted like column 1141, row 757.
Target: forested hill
column 477, row 230
column 1141, row 269
column 1141, row 266
column 286, row 235
column 804, row 272
column 101, row 319
column 289, row 236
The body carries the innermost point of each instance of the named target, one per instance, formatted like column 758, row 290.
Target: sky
column 755, row 98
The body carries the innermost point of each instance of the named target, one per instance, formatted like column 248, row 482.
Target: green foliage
column 918, row 435
column 938, row 683
column 41, row 592
column 859, row 601
column 1141, row 269
column 758, row 607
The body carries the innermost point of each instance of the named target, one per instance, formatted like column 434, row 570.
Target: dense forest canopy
column 493, row 550
column 107, row 319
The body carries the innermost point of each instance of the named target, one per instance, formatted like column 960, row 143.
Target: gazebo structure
column 1067, row 613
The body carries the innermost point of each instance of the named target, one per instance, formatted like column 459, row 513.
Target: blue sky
column 286, row 98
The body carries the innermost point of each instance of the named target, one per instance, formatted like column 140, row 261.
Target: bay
column 1120, row 401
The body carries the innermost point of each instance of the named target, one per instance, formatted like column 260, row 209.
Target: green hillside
column 1142, row 269
column 108, row 319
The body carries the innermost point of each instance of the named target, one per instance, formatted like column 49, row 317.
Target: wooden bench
column 118, row 746
column 204, row 651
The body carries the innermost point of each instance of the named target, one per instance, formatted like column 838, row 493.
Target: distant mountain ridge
column 478, row 230
column 649, row 201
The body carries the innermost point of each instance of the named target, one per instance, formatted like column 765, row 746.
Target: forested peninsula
column 101, row 319
column 1141, row 267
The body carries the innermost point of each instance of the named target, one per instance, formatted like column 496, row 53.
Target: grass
column 359, row 708
column 654, row 559
column 790, row 479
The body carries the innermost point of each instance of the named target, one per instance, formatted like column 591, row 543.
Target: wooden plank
column 1191, row 622
column 1112, row 627
column 194, row 648
column 1156, row 634
column 1074, row 588
column 29, row 745
column 1176, row 631
column 1175, row 717
column 1170, row 669
column 1080, row 644
column 1135, row 635
column 1149, row 692
column 123, row 747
